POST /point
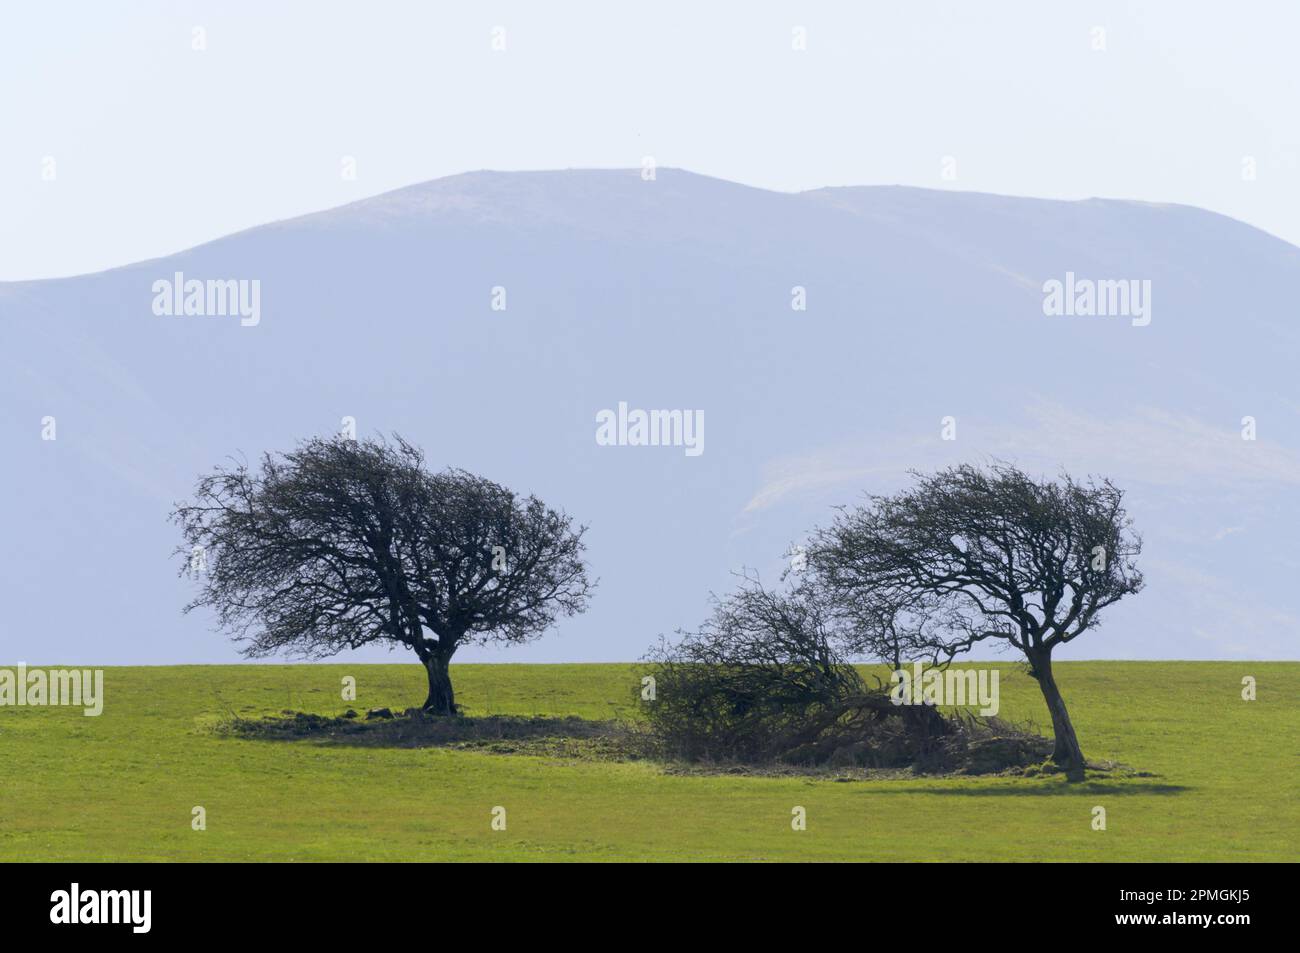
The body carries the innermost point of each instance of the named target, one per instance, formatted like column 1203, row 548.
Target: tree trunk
column 441, row 700
column 1067, row 753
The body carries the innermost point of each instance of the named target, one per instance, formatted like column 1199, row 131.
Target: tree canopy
column 343, row 543
column 973, row 554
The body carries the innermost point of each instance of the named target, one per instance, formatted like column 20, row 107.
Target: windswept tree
column 757, row 676
column 992, row 554
column 875, row 624
column 344, row 543
column 764, row 679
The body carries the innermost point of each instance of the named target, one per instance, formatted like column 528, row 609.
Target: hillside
column 669, row 294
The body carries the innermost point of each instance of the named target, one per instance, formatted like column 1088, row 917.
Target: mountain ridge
column 386, row 197
column 677, row 293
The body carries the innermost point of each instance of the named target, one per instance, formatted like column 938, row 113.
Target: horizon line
column 631, row 170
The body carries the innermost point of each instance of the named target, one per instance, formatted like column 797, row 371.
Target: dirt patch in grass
column 989, row 748
column 498, row 734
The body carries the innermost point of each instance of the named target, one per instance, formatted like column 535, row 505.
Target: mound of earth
column 914, row 741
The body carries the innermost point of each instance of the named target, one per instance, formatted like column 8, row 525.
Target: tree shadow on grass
column 1118, row 785
column 502, row 734
column 571, row 737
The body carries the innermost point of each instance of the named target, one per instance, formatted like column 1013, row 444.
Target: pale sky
column 155, row 146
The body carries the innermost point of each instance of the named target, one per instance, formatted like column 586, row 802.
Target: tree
column 764, row 679
column 871, row 623
column 343, row 543
column 758, row 676
column 992, row 554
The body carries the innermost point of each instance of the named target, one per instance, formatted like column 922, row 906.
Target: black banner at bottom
column 1221, row 902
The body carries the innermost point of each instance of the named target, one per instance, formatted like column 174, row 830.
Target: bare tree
column 343, row 543
column 763, row 679
column 886, row 626
column 992, row 554
column 758, row 671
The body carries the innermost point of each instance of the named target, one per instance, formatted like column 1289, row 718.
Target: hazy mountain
column 675, row 294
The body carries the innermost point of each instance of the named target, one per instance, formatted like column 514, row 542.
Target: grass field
column 1224, row 784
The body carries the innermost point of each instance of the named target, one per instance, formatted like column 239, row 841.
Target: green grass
column 1225, row 781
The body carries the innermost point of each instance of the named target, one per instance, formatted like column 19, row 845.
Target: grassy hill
column 1223, row 777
